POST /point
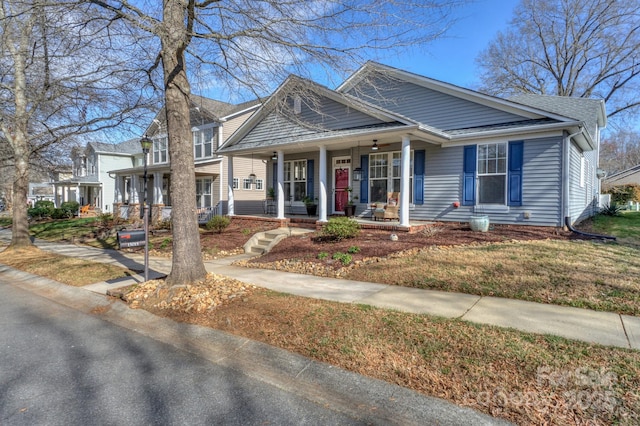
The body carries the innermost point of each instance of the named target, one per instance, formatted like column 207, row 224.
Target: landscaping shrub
column 42, row 209
column 612, row 209
column 622, row 194
column 218, row 223
column 340, row 228
column 69, row 208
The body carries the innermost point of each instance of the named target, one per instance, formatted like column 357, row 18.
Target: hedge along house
column 212, row 122
column 449, row 152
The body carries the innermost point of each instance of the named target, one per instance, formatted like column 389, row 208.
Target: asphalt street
column 87, row 360
column 63, row 367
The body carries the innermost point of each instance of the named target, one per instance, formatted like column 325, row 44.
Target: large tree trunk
column 20, row 228
column 187, row 265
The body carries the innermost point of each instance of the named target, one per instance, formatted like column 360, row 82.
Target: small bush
column 42, row 209
column 323, row 255
column 353, row 249
column 163, row 224
column 106, row 220
column 218, row 223
column 340, row 228
column 69, row 208
column 612, row 209
column 344, row 258
column 165, row 243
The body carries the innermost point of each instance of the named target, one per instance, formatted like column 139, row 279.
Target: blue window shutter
column 310, row 179
column 418, row 176
column 364, row 183
column 515, row 173
column 469, row 176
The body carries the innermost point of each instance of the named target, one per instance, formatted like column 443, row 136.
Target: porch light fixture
column 375, row 145
column 274, row 157
column 357, row 172
column 252, row 176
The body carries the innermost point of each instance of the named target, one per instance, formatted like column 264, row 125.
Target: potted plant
column 350, row 208
column 271, row 193
column 310, row 204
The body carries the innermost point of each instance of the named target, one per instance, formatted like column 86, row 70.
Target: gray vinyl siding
column 541, row 186
column 335, row 116
column 437, row 109
column 582, row 199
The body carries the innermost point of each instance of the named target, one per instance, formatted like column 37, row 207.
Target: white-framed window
column 203, row 192
column 492, row 173
column 236, row 183
column 203, row 142
column 385, row 172
column 259, row 184
column 160, row 153
column 246, row 184
column 583, row 170
column 295, row 179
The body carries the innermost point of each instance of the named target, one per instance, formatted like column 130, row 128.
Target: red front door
column 341, row 184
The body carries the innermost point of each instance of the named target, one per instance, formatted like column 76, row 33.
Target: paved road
column 86, row 360
column 61, row 366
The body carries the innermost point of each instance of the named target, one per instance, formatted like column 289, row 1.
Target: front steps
column 263, row 242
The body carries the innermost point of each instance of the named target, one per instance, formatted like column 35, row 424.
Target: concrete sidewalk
column 604, row 328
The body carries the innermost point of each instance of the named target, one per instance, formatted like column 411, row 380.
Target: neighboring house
column 90, row 182
column 625, row 177
column 212, row 122
column 449, row 151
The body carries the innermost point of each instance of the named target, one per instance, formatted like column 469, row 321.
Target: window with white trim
column 160, row 153
column 582, row 171
column 492, row 173
column 385, row 173
column 259, row 184
column 236, row 183
column 203, row 192
column 246, row 184
column 203, row 142
column 295, row 179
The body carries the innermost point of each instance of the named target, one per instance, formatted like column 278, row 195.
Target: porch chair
column 84, row 210
column 390, row 209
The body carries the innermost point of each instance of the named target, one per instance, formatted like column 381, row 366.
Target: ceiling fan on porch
column 375, row 145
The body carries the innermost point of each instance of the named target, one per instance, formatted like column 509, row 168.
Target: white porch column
column 230, row 210
column 133, row 197
column 322, row 175
column 220, row 188
column 405, row 188
column 119, row 189
column 280, row 185
column 157, row 188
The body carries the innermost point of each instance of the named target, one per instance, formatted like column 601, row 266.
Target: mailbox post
column 146, row 145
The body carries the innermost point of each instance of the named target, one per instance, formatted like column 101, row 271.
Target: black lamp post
column 146, row 144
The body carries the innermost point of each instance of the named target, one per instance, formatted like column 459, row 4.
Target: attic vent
column 297, row 104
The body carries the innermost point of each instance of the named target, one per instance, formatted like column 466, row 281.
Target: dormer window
column 203, row 142
column 160, row 150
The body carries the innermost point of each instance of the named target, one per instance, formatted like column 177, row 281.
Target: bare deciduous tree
column 61, row 78
column 620, row 151
column 569, row 48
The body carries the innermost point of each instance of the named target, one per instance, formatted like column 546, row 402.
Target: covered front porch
column 365, row 221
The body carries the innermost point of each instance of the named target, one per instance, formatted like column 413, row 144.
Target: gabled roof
column 400, row 115
column 131, row 147
column 300, row 131
column 623, row 174
column 591, row 111
column 204, row 111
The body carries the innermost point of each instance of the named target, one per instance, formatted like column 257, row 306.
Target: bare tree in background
column 620, row 151
column 60, row 78
column 251, row 45
column 569, row 48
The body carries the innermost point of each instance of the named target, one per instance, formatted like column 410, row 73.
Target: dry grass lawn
column 67, row 270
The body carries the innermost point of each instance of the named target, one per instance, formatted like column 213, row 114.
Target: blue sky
column 452, row 59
